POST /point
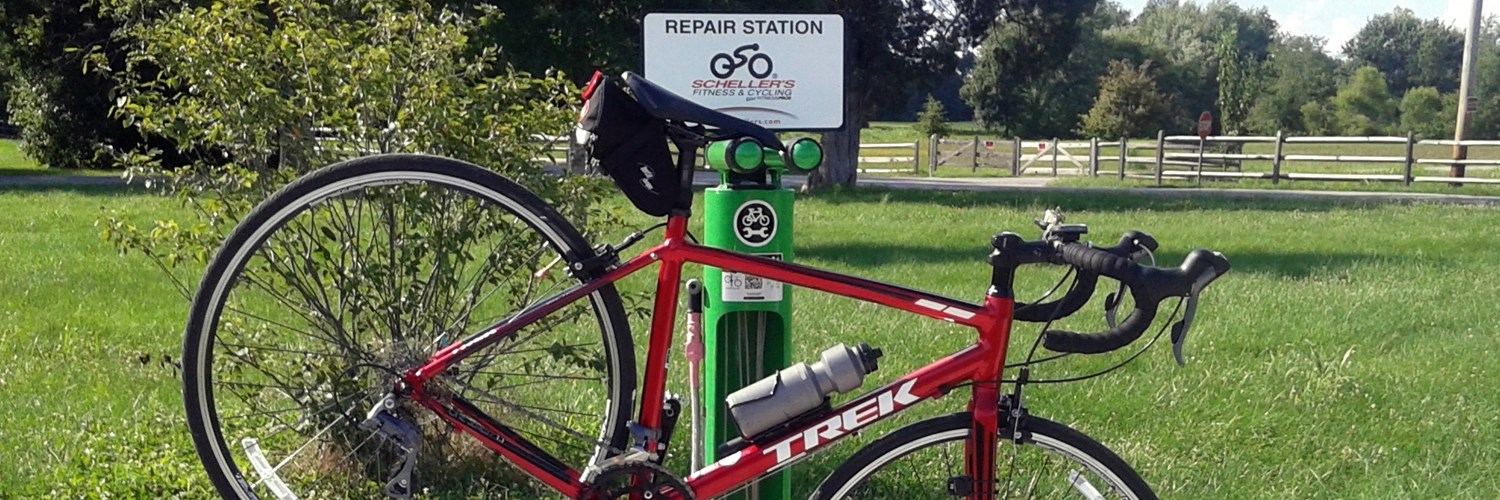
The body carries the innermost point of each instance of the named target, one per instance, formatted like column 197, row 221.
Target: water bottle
column 800, row 388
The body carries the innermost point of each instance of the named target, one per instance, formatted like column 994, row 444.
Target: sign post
column 782, row 72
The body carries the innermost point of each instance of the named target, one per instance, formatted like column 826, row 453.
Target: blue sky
column 1339, row 20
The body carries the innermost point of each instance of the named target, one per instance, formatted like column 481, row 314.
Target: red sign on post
column 1205, row 125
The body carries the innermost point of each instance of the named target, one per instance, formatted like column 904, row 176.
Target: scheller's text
column 744, row 27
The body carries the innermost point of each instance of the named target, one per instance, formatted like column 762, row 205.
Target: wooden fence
column 1189, row 157
column 889, row 164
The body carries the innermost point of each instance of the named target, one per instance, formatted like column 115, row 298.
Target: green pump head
column 804, row 154
column 743, row 155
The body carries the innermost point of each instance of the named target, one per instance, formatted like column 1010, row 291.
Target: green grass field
column 15, row 163
column 1348, row 355
column 11, row 157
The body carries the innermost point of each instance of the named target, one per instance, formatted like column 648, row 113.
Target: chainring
column 644, row 480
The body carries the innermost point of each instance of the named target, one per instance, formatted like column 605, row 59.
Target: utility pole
column 1466, row 83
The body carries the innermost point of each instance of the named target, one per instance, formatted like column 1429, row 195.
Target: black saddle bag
column 630, row 146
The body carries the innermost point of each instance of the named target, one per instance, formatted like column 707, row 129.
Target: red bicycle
column 406, row 324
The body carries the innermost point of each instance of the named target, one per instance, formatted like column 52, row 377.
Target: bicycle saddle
column 664, row 104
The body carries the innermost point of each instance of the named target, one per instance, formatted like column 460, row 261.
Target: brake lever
column 1181, row 329
column 1112, row 305
column 1112, row 301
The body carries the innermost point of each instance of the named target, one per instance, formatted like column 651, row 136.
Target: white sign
column 779, row 71
column 741, row 287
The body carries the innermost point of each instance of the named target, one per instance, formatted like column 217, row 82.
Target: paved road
column 1024, row 185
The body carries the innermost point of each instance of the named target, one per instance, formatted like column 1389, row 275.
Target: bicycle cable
column 633, row 238
column 1051, row 317
column 1117, row 366
column 1049, row 293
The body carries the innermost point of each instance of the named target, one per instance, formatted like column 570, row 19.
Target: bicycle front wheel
column 1051, row 461
column 343, row 280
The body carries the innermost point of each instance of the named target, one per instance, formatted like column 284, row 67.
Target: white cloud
column 1456, row 13
column 1340, row 31
column 1303, row 17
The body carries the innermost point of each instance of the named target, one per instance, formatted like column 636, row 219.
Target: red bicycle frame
column 978, row 365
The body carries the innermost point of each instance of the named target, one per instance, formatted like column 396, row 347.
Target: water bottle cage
column 806, row 418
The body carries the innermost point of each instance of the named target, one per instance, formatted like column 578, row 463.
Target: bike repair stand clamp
column 747, row 319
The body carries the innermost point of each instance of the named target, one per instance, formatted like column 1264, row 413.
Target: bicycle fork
column 978, row 481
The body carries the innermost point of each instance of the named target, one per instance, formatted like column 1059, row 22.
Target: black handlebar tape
column 1083, row 290
column 1097, row 261
column 1148, row 286
column 1093, row 343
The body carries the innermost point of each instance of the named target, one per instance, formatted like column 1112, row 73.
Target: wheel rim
column 1043, row 467
column 361, row 279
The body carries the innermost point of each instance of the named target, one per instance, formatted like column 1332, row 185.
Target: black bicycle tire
column 226, row 477
column 878, row 453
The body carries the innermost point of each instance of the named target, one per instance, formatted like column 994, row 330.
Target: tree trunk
column 841, row 147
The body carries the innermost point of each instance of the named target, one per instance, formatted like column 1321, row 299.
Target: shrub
column 263, row 92
column 1422, row 114
column 932, row 120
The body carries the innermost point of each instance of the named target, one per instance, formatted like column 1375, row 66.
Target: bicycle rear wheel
column 1052, row 461
column 359, row 271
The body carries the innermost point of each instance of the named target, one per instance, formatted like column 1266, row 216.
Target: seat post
column 687, row 142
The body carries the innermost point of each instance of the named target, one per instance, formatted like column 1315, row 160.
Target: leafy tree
column 1364, row 106
column 1129, row 104
column 4, row 100
column 1486, row 84
column 1410, row 51
column 575, row 37
column 1317, row 119
column 890, row 44
column 1297, row 73
column 1184, row 38
column 1239, row 84
column 931, row 122
column 946, row 91
column 60, row 106
column 1049, row 103
column 1422, row 114
column 1020, row 80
